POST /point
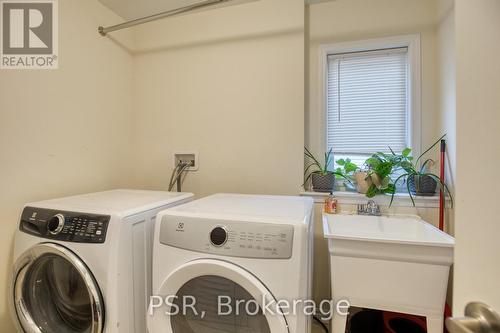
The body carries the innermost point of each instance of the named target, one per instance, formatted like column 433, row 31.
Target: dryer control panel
column 228, row 238
column 64, row 226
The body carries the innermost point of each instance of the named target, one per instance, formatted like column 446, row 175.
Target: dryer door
column 54, row 291
column 214, row 285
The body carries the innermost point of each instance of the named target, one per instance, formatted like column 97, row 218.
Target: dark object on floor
column 403, row 323
column 367, row 321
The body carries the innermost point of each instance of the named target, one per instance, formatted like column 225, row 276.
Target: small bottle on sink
column 331, row 204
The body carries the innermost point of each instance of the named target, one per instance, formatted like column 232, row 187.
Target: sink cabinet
column 393, row 263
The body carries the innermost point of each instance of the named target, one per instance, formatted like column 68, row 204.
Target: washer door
column 54, row 292
column 204, row 281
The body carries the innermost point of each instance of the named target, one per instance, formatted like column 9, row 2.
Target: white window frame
column 414, row 98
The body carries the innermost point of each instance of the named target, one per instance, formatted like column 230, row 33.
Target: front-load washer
column 226, row 249
column 83, row 263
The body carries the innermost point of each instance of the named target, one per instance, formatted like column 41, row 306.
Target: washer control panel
column 64, row 226
column 245, row 239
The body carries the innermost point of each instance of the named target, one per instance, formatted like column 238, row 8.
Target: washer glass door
column 55, row 292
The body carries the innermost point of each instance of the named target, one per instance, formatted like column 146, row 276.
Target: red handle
column 441, row 193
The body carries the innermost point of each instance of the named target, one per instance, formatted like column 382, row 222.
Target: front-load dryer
column 228, row 248
column 83, row 263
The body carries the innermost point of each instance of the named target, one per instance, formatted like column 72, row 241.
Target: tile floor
column 317, row 329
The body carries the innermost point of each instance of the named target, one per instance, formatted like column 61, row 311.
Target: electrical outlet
column 186, row 156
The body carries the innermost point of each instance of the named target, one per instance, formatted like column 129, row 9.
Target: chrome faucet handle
column 361, row 209
column 372, row 208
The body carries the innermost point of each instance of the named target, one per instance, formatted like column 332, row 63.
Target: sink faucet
column 371, row 208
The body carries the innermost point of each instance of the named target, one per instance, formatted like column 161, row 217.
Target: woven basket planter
column 323, row 183
column 422, row 185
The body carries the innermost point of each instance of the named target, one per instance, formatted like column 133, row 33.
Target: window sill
column 354, row 198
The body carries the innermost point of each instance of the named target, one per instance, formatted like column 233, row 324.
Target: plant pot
column 362, row 184
column 323, row 182
column 422, row 185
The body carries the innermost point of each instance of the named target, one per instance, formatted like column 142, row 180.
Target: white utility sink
column 400, row 229
column 396, row 263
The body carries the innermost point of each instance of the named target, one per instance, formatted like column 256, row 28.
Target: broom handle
column 441, row 192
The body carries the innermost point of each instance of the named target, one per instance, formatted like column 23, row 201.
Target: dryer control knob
column 218, row 236
column 55, row 224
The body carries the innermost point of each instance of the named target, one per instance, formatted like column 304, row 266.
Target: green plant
column 346, row 167
column 380, row 168
column 317, row 167
column 346, row 170
column 410, row 168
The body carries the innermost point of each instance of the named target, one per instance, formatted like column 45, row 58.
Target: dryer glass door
column 208, row 291
column 214, row 296
column 55, row 292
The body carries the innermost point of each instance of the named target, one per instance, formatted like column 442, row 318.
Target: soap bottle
column 331, row 204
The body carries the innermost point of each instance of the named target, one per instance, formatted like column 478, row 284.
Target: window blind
column 367, row 101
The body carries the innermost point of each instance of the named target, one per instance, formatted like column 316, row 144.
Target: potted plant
column 363, row 181
column 419, row 180
column 347, row 171
column 378, row 176
column 322, row 178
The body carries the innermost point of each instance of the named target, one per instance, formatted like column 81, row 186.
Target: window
column 367, row 102
column 372, row 97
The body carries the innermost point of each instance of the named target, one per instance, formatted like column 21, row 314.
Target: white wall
column 477, row 222
column 229, row 84
column 446, row 66
column 64, row 131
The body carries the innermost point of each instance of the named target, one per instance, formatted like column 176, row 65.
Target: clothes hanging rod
column 208, row 3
